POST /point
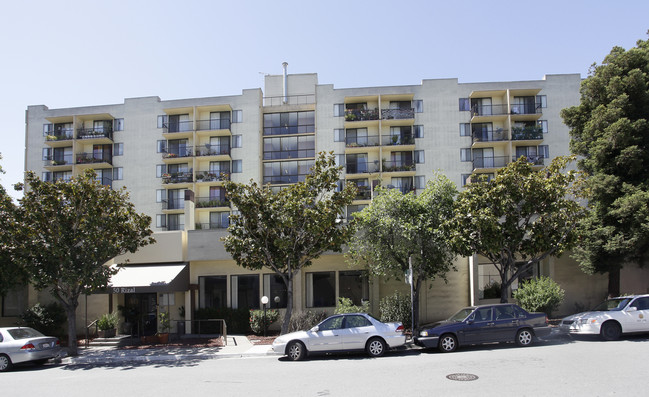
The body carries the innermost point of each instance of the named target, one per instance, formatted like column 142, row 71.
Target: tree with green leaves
column 396, row 229
column 286, row 230
column 520, row 217
column 70, row 230
column 610, row 133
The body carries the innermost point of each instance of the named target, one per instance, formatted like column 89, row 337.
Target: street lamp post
column 264, row 302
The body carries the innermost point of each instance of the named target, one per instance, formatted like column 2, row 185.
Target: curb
column 112, row 359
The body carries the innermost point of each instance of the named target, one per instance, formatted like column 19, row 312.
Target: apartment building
column 173, row 156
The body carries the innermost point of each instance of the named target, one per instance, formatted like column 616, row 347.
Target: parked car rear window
column 23, row 333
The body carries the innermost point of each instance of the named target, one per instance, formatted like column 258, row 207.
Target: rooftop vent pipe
column 284, row 66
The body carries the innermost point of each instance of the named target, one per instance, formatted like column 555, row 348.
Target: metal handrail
column 87, row 331
column 224, row 326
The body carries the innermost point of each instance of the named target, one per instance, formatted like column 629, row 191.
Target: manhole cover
column 462, row 377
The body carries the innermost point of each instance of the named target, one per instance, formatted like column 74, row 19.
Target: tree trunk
column 415, row 305
column 504, row 288
column 614, row 282
column 71, row 311
column 289, row 305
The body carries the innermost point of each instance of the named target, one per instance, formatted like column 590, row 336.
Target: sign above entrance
column 160, row 278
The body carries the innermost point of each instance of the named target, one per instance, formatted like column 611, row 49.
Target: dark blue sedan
column 475, row 325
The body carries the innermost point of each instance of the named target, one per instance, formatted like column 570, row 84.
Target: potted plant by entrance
column 165, row 326
column 107, row 325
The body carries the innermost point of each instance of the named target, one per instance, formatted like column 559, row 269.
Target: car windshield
column 24, row 333
column 612, row 305
column 461, row 315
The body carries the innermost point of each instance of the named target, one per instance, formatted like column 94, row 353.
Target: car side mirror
column 315, row 329
column 631, row 309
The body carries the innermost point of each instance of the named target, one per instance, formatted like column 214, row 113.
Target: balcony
column 178, row 152
column 213, row 150
column 527, row 133
column 497, row 135
column 174, row 127
column 362, row 141
column 211, row 202
column 363, row 193
column 526, row 108
column 174, row 226
column 397, row 114
column 362, row 167
column 213, row 125
column 533, row 160
column 177, row 177
column 397, row 140
column 489, row 110
column 490, row 162
column 211, row 226
column 93, row 158
column 173, row 204
column 398, row 166
column 95, row 133
column 361, row 114
column 58, row 161
column 105, row 181
column 60, row 137
column 212, row 176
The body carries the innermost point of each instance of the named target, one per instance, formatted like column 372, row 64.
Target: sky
column 70, row 53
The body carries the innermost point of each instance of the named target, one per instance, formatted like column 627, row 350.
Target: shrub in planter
column 257, row 320
column 303, row 321
column 540, row 294
column 396, row 307
column 48, row 319
column 345, row 305
column 107, row 325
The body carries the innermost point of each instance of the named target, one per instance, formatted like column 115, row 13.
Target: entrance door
column 140, row 311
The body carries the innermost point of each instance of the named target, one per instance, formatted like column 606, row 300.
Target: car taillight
column 58, row 343
column 546, row 320
column 28, row 346
column 399, row 329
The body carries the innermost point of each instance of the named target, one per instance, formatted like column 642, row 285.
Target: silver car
column 23, row 344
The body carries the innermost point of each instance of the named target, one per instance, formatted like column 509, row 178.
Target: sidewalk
column 237, row 346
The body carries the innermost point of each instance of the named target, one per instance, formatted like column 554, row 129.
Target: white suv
column 611, row 318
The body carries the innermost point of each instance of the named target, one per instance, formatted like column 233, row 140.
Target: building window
column 159, row 195
column 275, row 290
column 542, row 100
column 354, row 285
column 118, row 125
column 162, row 120
column 339, row 109
column 160, row 169
column 420, row 182
column 465, row 154
column 544, row 151
column 237, row 116
column 289, row 147
column 219, row 219
column 419, row 156
column 544, row 126
column 339, row 135
column 236, row 167
column 321, row 289
column 285, row 172
column 14, row 303
column 118, row 173
column 161, row 221
column 465, row 179
column 289, row 123
column 161, row 146
column 465, row 129
column 118, row 149
column 418, row 131
column 245, row 291
column 212, row 292
column 237, row 141
column 465, row 105
column 418, row 105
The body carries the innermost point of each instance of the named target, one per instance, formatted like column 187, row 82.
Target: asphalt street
column 556, row 367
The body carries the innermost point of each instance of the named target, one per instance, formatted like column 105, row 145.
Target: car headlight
column 423, row 333
column 584, row 321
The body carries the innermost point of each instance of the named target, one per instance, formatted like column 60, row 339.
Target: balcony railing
column 361, row 114
column 178, row 152
column 397, row 166
column 174, row 226
column 489, row 110
column 490, row 162
column 93, row 158
column 177, row 126
column 64, row 134
column 212, row 176
column 489, row 135
column 534, row 160
column 211, row 226
column 397, row 114
column 289, row 100
column 526, row 108
column 363, row 193
column 210, row 125
column 94, row 133
column 527, row 133
column 173, row 204
column 212, row 150
column 177, row 177
column 362, row 141
column 392, row 140
column 66, row 159
column 362, row 167
column 211, row 202
column 105, row 180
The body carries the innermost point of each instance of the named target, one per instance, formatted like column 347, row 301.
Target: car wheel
column 610, row 331
column 5, row 363
column 524, row 337
column 375, row 347
column 296, row 351
column 447, row 343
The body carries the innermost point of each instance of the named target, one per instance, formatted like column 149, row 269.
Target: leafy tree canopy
column 397, row 227
column 610, row 133
column 70, row 230
column 286, row 230
column 519, row 218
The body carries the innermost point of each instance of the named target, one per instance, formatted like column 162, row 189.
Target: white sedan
column 342, row 332
column 611, row 318
column 23, row 344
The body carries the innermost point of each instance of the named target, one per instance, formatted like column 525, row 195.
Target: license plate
column 45, row 345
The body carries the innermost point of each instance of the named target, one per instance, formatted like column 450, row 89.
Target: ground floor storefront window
column 321, row 289
column 275, row 290
column 354, row 285
column 245, row 291
column 213, row 292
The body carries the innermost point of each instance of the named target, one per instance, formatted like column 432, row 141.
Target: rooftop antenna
column 284, row 66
